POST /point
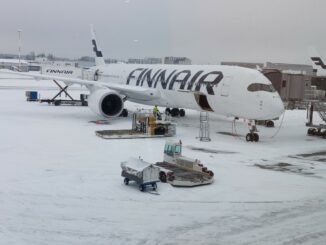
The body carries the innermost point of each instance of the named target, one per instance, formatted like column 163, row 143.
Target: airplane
column 230, row 91
column 317, row 61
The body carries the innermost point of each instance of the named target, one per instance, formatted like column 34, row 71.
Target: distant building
column 306, row 70
column 111, row 61
column 146, row 60
column 85, row 64
column 177, row 60
column 244, row 64
column 14, row 64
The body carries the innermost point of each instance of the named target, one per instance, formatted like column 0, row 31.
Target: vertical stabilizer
column 317, row 61
column 99, row 60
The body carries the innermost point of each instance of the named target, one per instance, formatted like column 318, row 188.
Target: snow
column 61, row 184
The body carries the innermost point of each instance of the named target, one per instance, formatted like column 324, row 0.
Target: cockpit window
column 255, row 87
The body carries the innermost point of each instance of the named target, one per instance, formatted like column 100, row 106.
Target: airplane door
column 226, row 85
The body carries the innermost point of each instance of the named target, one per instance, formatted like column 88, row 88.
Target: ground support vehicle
column 143, row 173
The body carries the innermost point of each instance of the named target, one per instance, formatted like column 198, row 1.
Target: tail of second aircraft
column 99, row 60
column 317, row 61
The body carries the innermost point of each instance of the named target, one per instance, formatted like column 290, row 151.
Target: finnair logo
column 98, row 53
column 318, row 62
column 57, row 71
column 176, row 79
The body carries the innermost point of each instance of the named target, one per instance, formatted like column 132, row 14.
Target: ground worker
column 156, row 112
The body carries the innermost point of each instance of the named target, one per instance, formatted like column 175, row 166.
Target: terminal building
column 147, row 60
column 14, row 64
column 244, row 64
column 177, row 60
column 166, row 60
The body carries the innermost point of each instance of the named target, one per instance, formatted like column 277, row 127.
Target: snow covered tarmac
column 60, row 184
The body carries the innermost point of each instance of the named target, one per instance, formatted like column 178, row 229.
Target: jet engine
column 105, row 102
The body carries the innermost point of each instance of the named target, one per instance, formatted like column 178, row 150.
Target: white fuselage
column 220, row 89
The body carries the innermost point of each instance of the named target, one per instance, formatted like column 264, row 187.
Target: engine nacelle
column 105, row 102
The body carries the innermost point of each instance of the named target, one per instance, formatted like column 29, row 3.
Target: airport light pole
column 19, row 47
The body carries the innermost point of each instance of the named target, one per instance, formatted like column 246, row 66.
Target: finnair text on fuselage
column 180, row 79
column 57, row 71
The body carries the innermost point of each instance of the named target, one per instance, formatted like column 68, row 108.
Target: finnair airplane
column 225, row 90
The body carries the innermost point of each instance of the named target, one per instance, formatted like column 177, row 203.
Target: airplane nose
column 278, row 107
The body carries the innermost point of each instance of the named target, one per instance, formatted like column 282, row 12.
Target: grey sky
column 207, row 31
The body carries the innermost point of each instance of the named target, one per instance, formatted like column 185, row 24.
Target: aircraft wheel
column 314, row 131
column 142, row 187
column 182, row 113
column 175, row 112
column 323, row 134
column 126, row 181
column 162, row 177
column 154, row 185
column 249, row 137
column 255, row 137
column 269, row 124
column 167, row 111
column 310, row 131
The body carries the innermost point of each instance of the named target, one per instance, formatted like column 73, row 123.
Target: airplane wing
column 132, row 92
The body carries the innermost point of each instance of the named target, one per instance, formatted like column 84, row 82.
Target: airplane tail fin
column 99, row 60
column 317, row 61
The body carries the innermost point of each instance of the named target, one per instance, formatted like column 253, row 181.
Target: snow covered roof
column 13, row 61
column 295, row 72
column 136, row 164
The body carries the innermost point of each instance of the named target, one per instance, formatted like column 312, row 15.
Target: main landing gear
column 175, row 112
column 252, row 136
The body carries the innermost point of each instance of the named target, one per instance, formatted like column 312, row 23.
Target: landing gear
column 252, row 136
column 182, row 113
column 167, row 111
column 270, row 124
column 175, row 112
column 266, row 123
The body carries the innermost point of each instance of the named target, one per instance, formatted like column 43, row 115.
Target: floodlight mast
column 19, row 48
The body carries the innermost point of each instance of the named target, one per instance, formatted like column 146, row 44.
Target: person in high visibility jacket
column 156, row 112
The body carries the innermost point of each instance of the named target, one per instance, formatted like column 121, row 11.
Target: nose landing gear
column 252, row 136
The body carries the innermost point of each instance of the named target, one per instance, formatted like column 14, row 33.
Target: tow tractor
column 179, row 170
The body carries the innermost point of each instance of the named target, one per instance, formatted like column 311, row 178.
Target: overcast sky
column 207, row 31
